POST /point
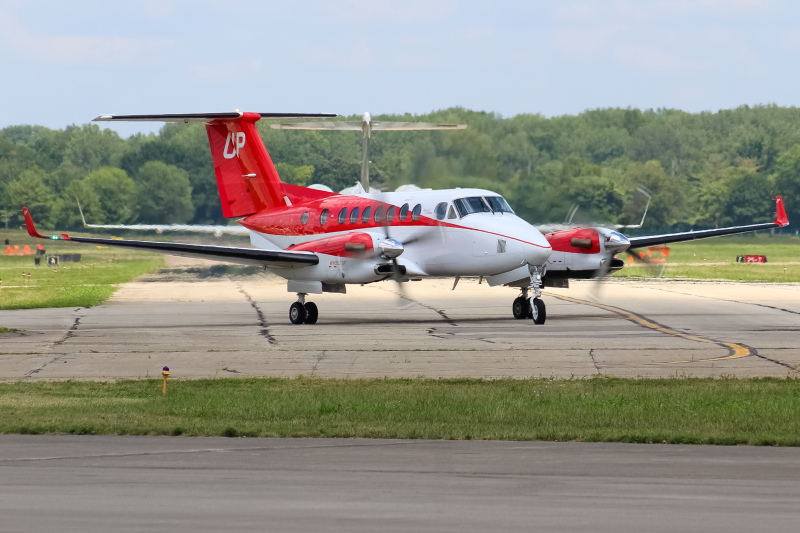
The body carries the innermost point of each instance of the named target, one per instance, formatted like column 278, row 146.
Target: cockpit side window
column 473, row 204
column 499, row 204
column 452, row 213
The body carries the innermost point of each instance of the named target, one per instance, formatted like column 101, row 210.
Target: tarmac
column 204, row 327
column 178, row 484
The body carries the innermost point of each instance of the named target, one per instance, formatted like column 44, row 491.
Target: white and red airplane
column 320, row 241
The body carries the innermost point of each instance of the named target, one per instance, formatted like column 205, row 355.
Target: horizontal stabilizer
column 206, row 117
column 375, row 126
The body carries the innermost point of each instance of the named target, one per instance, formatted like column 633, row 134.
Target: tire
column 539, row 311
column 297, row 313
column 312, row 313
column 520, row 308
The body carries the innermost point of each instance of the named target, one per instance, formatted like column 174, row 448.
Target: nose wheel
column 529, row 307
column 538, row 311
column 302, row 312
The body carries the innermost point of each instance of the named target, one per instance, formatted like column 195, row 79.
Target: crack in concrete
column 321, row 356
column 440, row 312
column 594, row 361
column 68, row 335
column 261, row 320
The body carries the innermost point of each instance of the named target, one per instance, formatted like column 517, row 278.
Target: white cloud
column 652, row 58
column 357, row 57
column 374, row 11
column 582, row 43
column 21, row 42
column 791, row 39
column 649, row 9
column 223, row 72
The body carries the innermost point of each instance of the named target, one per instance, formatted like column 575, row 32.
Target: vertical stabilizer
column 246, row 177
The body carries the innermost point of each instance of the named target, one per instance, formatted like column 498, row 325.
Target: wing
column 653, row 240
column 273, row 259
column 205, row 117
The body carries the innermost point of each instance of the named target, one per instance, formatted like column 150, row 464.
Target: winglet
column 782, row 220
column 30, row 225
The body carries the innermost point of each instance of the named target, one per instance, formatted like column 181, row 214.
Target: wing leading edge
column 653, row 240
column 252, row 256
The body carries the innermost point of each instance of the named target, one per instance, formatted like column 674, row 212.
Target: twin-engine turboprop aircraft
column 320, row 241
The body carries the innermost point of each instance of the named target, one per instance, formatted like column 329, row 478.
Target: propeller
column 397, row 273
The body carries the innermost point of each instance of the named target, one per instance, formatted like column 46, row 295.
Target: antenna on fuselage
column 366, row 126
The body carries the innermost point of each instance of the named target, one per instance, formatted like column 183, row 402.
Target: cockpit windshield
column 499, row 204
column 473, row 204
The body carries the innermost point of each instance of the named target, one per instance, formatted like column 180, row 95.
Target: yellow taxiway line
column 736, row 351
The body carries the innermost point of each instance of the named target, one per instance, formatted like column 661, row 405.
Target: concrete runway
column 100, row 484
column 240, row 327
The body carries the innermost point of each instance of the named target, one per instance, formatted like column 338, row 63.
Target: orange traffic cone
column 26, row 250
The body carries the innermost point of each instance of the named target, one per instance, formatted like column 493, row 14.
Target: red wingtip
column 30, row 225
column 781, row 212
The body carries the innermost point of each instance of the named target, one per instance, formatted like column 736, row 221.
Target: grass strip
column 696, row 260
column 84, row 284
column 761, row 411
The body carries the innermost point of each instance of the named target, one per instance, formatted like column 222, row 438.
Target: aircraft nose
column 538, row 250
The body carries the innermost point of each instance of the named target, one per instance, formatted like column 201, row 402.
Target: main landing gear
column 533, row 306
column 303, row 312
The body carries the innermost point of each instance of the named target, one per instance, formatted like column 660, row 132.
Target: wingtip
column 29, row 225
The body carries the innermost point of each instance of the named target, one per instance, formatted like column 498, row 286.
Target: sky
column 65, row 63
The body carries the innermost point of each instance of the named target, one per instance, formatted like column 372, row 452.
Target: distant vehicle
column 321, row 241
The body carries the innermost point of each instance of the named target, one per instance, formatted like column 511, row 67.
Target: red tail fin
column 247, row 179
column 782, row 219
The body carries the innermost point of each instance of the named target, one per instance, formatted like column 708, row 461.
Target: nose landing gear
column 303, row 312
column 531, row 307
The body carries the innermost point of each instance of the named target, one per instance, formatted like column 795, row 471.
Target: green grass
column 89, row 282
column 686, row 260
column 700, row 411
column 7, row 330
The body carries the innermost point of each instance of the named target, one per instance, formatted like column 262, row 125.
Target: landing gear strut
column 303, row 312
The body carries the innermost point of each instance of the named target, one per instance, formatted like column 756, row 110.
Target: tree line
column 702, row 169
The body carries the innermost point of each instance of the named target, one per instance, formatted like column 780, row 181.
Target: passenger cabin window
column 367, row 214
column 416, row 212
column 342, row 215
column 452, row 213
column 390, row 214
column 354, row 215
column 304, row 218
column 471, row 205
column 323, row 217
column 499, row 204
column 403, row 212
column 378, row 214
column 441, row 210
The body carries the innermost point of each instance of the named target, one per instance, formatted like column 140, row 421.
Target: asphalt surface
column 176, row 484
column 215, row 327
